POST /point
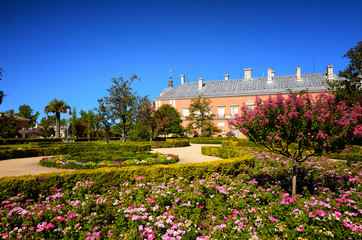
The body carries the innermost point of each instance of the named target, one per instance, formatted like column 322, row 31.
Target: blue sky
column 71, row 49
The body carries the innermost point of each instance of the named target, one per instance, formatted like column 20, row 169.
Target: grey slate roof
column 248, row 87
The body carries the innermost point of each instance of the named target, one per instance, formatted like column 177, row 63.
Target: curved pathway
column 25, row 166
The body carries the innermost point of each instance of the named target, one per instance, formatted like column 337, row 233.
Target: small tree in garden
column 169, row 120
column 299, row 127
column 201, row 117
column 57, row 107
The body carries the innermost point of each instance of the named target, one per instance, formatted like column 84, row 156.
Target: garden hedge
column 202, row 140
column 170, row 143
column 223, row 152
column 65, row 148
column 10, row 141
column 32, row 185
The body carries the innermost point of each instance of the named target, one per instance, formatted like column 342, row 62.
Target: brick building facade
column 227, row 96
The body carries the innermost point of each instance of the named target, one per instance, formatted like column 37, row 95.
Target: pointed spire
column 170, row 82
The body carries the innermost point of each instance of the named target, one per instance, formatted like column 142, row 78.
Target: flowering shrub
column 299, row 126
column 93, row 161
column 253, row 205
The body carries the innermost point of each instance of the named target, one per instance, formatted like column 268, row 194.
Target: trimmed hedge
column 223, row 152
column 32, row 185
column 218, row 140
column 170, row 143
column 12, row 141
column 66, row 148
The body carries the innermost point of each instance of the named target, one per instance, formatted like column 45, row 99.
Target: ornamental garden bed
column 91, row 160
column 252, row 203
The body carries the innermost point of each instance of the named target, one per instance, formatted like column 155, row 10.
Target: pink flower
column 310, row 214
column 273, row 219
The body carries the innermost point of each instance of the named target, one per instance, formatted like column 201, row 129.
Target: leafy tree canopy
column 349, row 89
column 170, row 119
column 26, row 111
column 200, row 117
column 57, row 106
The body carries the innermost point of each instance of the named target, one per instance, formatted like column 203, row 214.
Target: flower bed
column 253, row 205
column 89, row 161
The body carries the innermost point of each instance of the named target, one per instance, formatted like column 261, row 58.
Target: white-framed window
column 221, row 111
column 234, row 110
column 250, row 104
column 185, row 112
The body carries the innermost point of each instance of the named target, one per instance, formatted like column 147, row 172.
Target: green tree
column 124, row 103
column 91, row 123
column 46, row 126
column 74, row 123
column 11, row 111
column 349, row 88
column 200, row 117
column 105, row 116
column 26, row 111
column 57, row 107
column 170, row 120
column 8, row 126
column 1, row 92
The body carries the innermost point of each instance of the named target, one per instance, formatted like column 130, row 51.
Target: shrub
column 170, row 143
column 31, row 186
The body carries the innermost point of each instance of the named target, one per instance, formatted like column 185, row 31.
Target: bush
column 66, row 148
column 223, row 152
column 170, row 143
column 353, row 159
column 31, row 186
column 218, row 140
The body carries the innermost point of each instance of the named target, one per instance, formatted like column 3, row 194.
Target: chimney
column 226, row 76
column 247, row 72
column 270, row 75
column 201, row 83
column 182, row 79
column 299, row 76
column 330, row 72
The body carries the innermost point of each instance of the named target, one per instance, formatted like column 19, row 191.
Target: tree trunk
column 57, row 125
column 294, row 178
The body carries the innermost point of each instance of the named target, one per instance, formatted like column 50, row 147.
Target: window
column 234, row 110
column 185, row 112
column 221, row 112
column 250, row 104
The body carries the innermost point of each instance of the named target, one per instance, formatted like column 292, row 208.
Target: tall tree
column 56, row 107
column 1, row 92
column 299, row 126
column 200, row 117
column 74, row 122
column 170, row 120
column 349, row 89
column 91, row 123
column 124, row 103
column 105, row 116
column 8, row 126
column 26, row 111
column 145, row 125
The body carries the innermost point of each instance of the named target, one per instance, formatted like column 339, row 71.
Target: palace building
column 227, row 96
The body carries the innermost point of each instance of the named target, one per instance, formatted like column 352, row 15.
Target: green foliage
column 201, row 118
column 105, row 116
column 349, row 89
column 74, row 123
column 50, row 149
column 140, row 132
column 170, row 143
column 57, row 107
column 31, row 186
column 204, row 140
column 8, row 126
column 224, row 152
column 26, row 111
column 169, row 120
column 124, row 103
column 92, row 160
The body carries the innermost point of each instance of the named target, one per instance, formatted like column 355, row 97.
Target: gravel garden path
column 25, row 166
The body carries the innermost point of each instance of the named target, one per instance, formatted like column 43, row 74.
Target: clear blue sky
column 71, row 49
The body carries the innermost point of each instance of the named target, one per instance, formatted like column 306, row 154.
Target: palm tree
column 56, row 107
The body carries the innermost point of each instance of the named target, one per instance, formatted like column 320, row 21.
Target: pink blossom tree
column 299, row 126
